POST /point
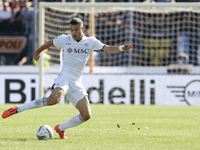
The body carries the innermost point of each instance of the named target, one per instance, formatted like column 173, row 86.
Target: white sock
column 33, row 104
column 74, row 121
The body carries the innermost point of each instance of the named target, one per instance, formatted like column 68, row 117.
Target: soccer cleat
column 9, row 112
column 61, row 133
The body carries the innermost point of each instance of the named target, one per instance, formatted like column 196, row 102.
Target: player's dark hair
column 76, row 21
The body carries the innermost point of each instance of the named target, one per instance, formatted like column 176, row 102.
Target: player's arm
column 41, row 48
column 117, row 49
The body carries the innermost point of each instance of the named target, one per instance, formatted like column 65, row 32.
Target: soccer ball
column 44, row 132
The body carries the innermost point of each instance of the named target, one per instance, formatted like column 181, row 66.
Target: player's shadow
column 25, row 139
column 56, row 139
column 16, row 139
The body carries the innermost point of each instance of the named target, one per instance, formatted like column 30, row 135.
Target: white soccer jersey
column 74, row 55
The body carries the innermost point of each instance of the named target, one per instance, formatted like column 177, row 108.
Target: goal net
column 161, row 34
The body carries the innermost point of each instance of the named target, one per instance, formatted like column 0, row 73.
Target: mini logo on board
column 189, row 94
column 69, row 50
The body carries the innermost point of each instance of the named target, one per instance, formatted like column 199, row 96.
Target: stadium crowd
column 16, row 16
column 122, row 0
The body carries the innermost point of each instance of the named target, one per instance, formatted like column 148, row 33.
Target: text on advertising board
column 12, row 44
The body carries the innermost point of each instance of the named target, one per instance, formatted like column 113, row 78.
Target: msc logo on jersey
column 78, row 51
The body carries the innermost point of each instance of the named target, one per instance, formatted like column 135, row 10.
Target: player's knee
column 86, row 116
column 57, row 100
column 52, row 101
column 55, row 96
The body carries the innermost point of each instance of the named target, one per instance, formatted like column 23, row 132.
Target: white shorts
column 73, row 90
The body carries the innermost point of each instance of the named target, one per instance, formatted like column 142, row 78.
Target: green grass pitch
column 111, row 127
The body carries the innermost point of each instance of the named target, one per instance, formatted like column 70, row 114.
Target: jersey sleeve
column 98, row 45
column 58, row 41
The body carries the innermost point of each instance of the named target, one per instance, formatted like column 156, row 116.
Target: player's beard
column 77, row 38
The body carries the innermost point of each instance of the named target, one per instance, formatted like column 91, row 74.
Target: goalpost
column 164, row 35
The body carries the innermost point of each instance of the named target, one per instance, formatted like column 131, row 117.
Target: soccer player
column 76, row 49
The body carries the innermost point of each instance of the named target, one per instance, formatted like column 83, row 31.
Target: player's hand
column 36, row 55
column 127, row 47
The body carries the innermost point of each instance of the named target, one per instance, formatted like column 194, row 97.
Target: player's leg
column 83, row 106
column 17, row 109
column 53, row 99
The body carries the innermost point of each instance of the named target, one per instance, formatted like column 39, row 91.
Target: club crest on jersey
column 69, row 50
column 86, row 44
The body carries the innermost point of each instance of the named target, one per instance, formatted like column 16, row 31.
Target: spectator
column 5, row 17
column 15, row 6
column 166, row 1
column 16, row 25
column 27, row 13
column 22, row 3
column 149, row 1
